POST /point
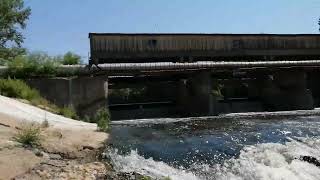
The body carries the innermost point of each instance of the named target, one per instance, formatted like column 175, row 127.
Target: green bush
column 34, row 64
column 18, row 89
column 29, row 135
column 102, row 118
column 68, row 112
column 71, row 59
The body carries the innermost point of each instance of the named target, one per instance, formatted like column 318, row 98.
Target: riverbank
column 62, row 154
column 67, row 149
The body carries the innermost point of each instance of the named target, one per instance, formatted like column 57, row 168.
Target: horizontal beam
column 197, row 65
column 141, row 68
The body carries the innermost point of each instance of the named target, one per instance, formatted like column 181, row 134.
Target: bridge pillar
column 314, row 85
column 183, row 99
column 195, row 95
column 287, row 90
column 202, row 96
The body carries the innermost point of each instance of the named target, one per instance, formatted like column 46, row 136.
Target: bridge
column 166, row 89
column 163, row 75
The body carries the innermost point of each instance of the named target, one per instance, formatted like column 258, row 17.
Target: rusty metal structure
column 137, row 48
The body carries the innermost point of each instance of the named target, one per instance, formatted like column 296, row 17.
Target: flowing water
column 236, row 148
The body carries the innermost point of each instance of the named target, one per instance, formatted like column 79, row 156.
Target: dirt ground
column 63, row 153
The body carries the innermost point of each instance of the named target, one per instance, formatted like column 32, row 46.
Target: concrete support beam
column 195, row 95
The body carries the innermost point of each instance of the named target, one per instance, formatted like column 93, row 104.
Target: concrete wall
column 85, row 94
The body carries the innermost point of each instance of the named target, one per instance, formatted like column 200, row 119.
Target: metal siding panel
column 119, row 44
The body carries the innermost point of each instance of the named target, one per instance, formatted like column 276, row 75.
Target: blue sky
column 58, row 26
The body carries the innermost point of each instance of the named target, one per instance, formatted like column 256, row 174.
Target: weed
column 18, row 89
column 68, row 112
column 45, row 124
column 102, row 118
column 29, row 134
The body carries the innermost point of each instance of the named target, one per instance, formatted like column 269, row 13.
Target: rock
column 311, row 160
column 45, row 155
column 88, row 147
column 37, row 152
column 55, row 156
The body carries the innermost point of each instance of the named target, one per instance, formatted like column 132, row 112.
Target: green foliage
column 11, row 53
column 29, row 134
column 68, row 112
column 13, row 17
column 34, row 64
column 71, row 59
column 38, row 65
column 216, row 90
column 18, row 89
column 102, row 118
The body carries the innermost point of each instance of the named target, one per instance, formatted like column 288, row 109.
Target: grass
column 69, row 112
column 18, row 89
column 102, row 118
column 29, row 135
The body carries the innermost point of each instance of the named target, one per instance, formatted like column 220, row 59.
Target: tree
column 13, row 17
column 70, row 59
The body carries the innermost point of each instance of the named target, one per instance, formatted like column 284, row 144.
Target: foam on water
column 267, row 161
column 272, row 161
column 133, row 162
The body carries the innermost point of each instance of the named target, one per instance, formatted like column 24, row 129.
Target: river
column 234, row 148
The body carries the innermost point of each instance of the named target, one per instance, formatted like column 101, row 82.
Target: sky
column 58, row 26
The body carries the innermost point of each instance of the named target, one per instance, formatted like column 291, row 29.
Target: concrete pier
column 195, row 95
